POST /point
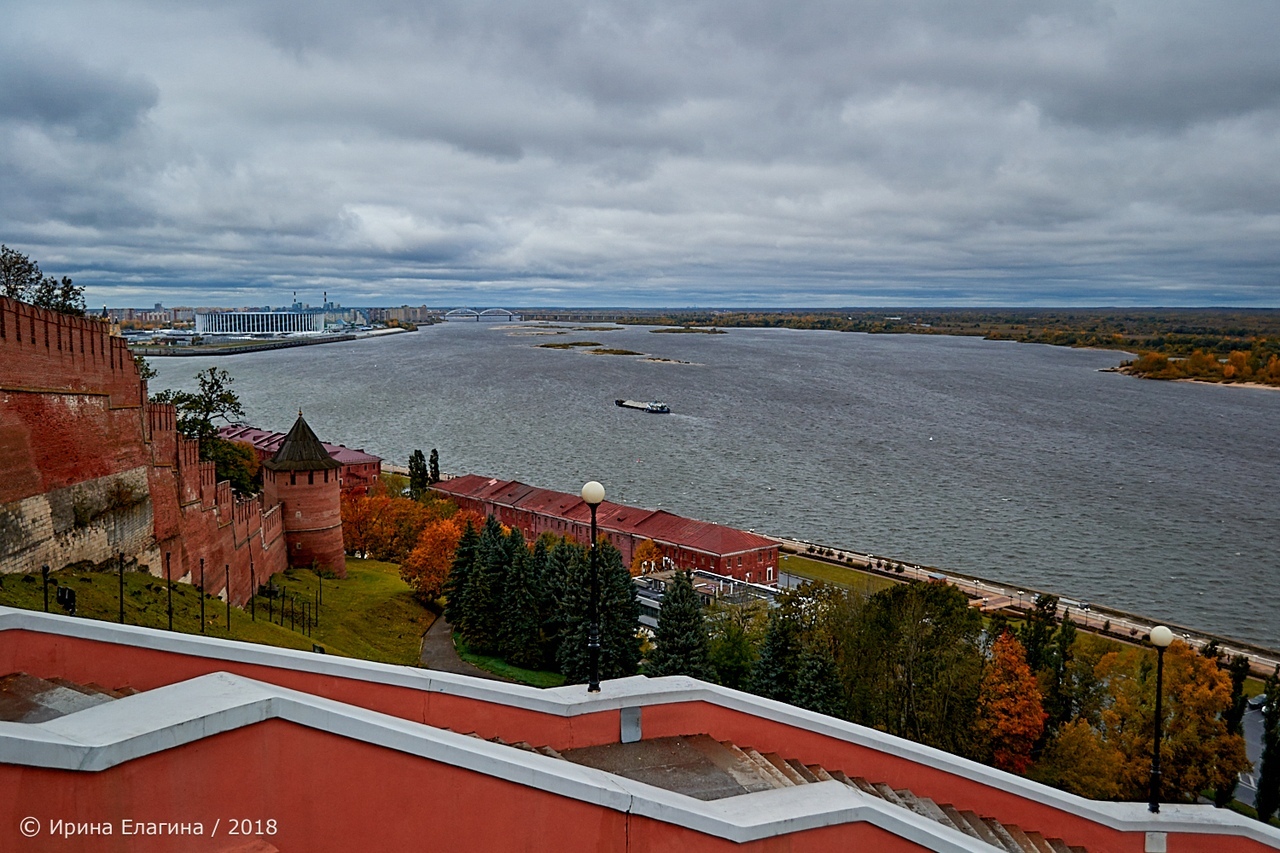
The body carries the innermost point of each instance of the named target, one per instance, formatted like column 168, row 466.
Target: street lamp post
column 593, row 495
column 1161, row 637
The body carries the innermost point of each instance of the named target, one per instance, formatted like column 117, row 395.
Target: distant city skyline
column 702, row 153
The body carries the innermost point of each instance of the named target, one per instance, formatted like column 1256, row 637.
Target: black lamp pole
column 168, row 582
column 593, row 494
column 202, row 595
column 120, row 554
column 227, row 589
column 1161, row 637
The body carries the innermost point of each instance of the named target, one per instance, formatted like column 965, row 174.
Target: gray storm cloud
column 715, row 153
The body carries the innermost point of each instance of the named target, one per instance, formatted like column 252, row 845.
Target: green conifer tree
column 1036, row 635
column 680, row 643
column 818, row 685
column 485, row 588
column 562, row 564
column 619, row 619
column 433, row 467
column 419, row 477
column 457, row 585
column 774, row 675
column 1268, row 797
column 519, row 631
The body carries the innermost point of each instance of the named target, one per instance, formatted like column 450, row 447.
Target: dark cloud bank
column 682, row 153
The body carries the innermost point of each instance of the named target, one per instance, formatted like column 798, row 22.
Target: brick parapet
column 65, row 354
column 73, row 414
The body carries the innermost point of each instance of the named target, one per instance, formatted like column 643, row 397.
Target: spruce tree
column 457, row 585
column 680, row 644
column 561, row 565
column 520, row 629
column 775, row 673
column 485, row 588
column 818, row 685
column 433, row 467
column 1268, row 795
column 619, row 619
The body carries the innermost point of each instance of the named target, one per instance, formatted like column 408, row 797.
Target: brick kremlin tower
column 303, row 479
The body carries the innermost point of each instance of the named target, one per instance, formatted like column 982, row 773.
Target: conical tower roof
column 301, row 451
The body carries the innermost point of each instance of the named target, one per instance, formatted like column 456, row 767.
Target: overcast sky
column 697, row 152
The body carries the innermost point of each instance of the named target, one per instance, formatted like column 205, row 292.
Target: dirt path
column 438, row 653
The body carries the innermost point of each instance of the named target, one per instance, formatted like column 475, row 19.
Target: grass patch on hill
column 370, row 615
column 841, row 576
column 498, row 666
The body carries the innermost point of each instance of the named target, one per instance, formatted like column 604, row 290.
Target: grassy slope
column 371, row 614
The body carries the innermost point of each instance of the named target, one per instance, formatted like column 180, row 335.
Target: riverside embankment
column 1018, row 601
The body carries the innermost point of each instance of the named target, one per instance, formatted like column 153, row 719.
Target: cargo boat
column 653, row 407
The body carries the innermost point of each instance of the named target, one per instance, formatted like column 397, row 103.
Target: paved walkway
column 438, row 653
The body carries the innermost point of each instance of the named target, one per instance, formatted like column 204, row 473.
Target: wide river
column 1015, row 462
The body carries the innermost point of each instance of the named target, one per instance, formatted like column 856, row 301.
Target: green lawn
column 499, row 667
column 842, row 576
column 370, row 615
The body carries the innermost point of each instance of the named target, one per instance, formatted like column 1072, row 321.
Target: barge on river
column 653, row 407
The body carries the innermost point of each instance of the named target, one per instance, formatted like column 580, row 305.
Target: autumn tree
column 680, row 643
column 1011, row 716
column 1197, row 751
column 1078, row 759
column 359, row 517
column 647, row 557
column 426, row 568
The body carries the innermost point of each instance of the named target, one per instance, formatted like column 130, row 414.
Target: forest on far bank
column 1209, row 344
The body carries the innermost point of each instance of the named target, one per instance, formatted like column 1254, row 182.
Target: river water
column 1020, row 463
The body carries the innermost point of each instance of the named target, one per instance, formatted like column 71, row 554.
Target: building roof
column 658, row 525
column 269, row 442
column 301, row 451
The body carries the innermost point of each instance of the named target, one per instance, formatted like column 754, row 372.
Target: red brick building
column 359, row 472
column 685, row 542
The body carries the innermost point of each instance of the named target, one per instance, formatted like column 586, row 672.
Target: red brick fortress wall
column 90, row 469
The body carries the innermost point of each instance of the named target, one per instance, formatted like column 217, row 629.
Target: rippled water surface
column 1016, row 462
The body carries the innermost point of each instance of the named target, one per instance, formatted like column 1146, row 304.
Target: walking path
column 438, row 653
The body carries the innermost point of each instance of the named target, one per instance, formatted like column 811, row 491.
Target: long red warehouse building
column 687, row 543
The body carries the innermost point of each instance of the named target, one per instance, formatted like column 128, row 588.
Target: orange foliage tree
column 426, row 567
column 646, row 552
column 1010, row 710
column 1197, row 752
